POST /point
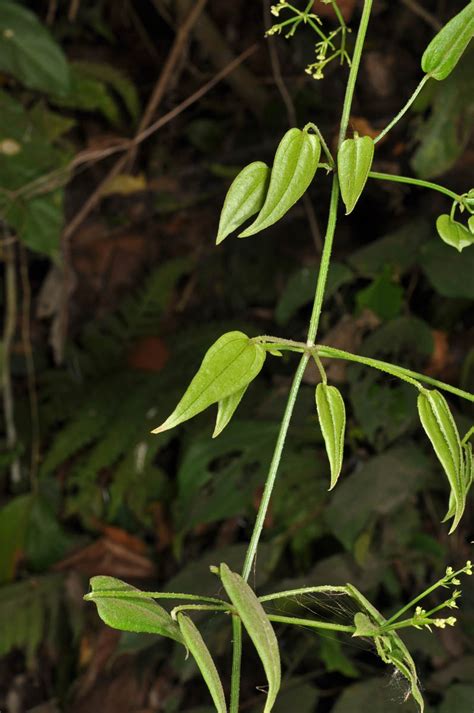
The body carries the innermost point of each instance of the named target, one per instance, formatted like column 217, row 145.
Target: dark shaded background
column 113, row 321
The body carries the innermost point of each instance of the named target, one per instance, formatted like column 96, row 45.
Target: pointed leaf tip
column 354, row 162
column 244, row 198
column 295, row 164
column 229, row 365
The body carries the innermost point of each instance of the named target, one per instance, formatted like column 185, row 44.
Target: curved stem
column 415, row 182
column 270, row 482
column 398, row 371
column 312, row 624
column 198, row 607
column 404, row 109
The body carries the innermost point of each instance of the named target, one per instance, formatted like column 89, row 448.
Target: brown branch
column 30, row 366
column 5, row 370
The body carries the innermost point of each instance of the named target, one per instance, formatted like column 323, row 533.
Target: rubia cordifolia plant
column 235, row 360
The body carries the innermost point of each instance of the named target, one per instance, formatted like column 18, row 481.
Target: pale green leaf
column 195, row 643
column 127, row 611
column 470, row 224
column 28, row 51
column 244, row 198
column 230, row 364
column 226, row 409
column 354, row 162
column 332, row 419
column 454, row 233
column 295, row 164
column 439, row 425
column 446, row 48
column 258, row 627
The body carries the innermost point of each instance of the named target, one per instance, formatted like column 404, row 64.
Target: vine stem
column 398, row 371
column 415, row 182
column 404, row 109
column 312, row 332
column 318, row 300
column 270, row 482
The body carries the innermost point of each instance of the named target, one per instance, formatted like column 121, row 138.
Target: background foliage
column 107, row 313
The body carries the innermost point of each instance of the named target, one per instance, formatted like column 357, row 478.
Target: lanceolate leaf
column 295, row 164
column 128, row 612
column 446, row 48
column 454, row 233
column 354, row 161
column 195, row 643
column 259, row 628
column 28, row 51
column 230, row 364
column 226, row 409
column 470, row 224
column 332, row 419
column 441, row 429
column 244, row 198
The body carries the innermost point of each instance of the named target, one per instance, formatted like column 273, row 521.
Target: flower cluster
column 326, row 50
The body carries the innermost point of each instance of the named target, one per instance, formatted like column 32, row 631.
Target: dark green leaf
column 14, row 521
column 195, row 643
column 354, row 162
column 295, row 164
column 383, row 296
column 230, row 364
column 244, row 198
column 398, row 250
column 446, row 48
column 258, row 627
column 28, row 51
column 38, row 221
column 129, row 612
column 454, row 233
column 449, row 272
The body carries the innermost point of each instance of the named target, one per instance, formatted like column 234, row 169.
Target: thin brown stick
column 168, row 70
column 52, row 9
column 292, row 121
column 416, row 8
column 30, row 366
column 8, row 336
column 158, row 124
column 73, row 10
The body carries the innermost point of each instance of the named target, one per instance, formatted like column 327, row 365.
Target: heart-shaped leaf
column 124, row 607
column 295, row 164
column 354, row 162
column 230, row 364
column 454, row 233
column 196, row 645
column 258, row 627
column 446, row 48
column 226, row 409
column 439, row 425
column 244, row 198
column 332, row 419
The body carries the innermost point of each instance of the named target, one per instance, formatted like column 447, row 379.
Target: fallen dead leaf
column 108, row 557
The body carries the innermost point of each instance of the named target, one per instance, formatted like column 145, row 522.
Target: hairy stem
column 399, row 371
column 270, row 482
column 415, row 182
column 236, row 661
column 311, row 623
column 404, row 109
